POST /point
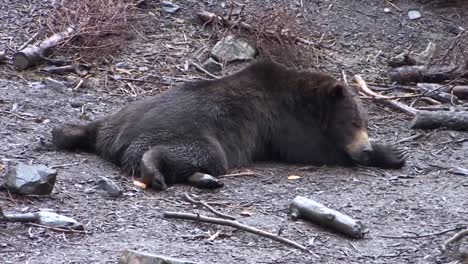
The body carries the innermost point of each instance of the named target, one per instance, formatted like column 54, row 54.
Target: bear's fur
column 264, row 112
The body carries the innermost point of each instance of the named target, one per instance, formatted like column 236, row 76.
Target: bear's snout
column 360, row 148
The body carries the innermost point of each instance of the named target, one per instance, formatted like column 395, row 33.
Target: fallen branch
column 435, row 119
column 362, row 86
column 209, row 17
column 34, row 54
column 307, row 209
column 235, row 224
column 209, row 207
column 454, row 239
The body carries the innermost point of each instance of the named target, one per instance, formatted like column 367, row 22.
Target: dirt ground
column 408, row 213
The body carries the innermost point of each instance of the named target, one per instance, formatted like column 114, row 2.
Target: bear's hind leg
column 195, row 163
column 150, row 169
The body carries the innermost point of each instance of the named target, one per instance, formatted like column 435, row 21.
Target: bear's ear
column 337, row 91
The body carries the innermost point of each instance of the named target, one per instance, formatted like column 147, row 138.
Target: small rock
column 387, row 10
column 212, row 66
column 231, row 49
column 134, row 257
column 170, row 7
column 108, row 187
column 414, row 14
column 91, row 83
column 76, row 104
column 143, row 69
column 31, row 179
column 121, row 64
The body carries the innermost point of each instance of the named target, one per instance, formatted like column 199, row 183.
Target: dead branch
column 307, row 209
column 430, row 73
column 212, row 18
column 435, row 119
column 34, row 54
column 209, row 207
column 454, row 239
column 235, row 224
column 395, row 104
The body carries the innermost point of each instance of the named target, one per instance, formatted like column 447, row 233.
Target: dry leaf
column 140, row 184
column 293, row 177
column 246, row 213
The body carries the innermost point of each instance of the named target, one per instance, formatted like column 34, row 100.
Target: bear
column 200, row 130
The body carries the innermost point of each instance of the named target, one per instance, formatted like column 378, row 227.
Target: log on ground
column 430, row 73
column 307, row 209
column 34, row 54
column 436, row 119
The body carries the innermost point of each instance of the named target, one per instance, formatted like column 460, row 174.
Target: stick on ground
column 211, row 209
column 235, row 224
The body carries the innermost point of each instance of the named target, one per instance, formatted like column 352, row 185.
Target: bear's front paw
column 388, row 156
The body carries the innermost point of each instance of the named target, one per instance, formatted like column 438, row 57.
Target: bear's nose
column 367, row 149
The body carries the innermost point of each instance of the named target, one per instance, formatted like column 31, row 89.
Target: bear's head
column 340, row 114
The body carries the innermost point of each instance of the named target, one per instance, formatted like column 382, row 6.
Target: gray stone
column 107, row 187
column 212, row 66
column 31, row 179
column 231, row 49
column 170, row 7
column 135, row 257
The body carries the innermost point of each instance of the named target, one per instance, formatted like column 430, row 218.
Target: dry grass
column 275, row 33
column 101, row 26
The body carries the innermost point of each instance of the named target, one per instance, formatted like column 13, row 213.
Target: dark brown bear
column 202, row 129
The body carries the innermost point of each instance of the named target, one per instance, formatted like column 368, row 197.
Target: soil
column 408, row 213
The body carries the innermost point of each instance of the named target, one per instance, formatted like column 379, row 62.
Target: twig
column 238, row 174
column 204, row 70
column 235, row 224
column 425, row 235
column 28, row 41
column 60, row 166
column 411, row 138
column 454, row 239
column 211, row 209
column 59, row 229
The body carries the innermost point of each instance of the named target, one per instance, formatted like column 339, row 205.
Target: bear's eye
column 356, row 124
